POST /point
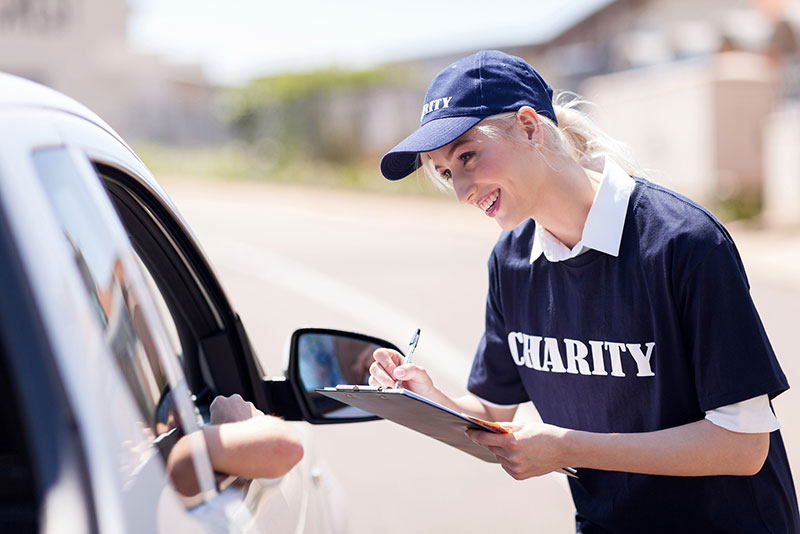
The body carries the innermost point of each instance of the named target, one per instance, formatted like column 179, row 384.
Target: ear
column 530, row 124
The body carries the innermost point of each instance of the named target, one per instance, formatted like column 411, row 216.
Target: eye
column 446, row 175
column 466, row 156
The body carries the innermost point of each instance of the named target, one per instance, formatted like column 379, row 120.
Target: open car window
column 217, row 357
column 132, row 330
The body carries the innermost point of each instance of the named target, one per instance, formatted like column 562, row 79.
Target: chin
column 508, row 224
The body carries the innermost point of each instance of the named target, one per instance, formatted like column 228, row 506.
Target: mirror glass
column 327, row 360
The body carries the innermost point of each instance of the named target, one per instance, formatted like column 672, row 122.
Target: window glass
column 163, row 309
column 116, row 288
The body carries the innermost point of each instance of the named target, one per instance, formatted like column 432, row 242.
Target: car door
column 207, row 337
column 44, row 473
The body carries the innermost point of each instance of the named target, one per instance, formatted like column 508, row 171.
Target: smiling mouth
column 490, row 203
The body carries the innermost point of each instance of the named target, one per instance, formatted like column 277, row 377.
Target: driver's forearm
column 260, row 447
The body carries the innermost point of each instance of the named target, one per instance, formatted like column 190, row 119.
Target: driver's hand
column 231, row 409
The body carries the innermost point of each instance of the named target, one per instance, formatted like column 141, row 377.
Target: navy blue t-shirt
column 648, row 340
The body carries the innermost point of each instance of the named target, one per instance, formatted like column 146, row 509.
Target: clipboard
column 413, row 411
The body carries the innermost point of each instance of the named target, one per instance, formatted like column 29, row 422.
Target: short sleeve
column 494, row 376
column 731, row 355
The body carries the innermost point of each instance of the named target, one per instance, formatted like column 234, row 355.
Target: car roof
column 17, row 92
column 20, row 93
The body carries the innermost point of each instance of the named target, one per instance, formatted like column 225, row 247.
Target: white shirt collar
column 602, row 230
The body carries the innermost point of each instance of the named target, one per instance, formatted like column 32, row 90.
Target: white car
column 115, row 336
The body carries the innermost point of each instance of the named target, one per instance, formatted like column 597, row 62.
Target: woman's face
column 495, row 174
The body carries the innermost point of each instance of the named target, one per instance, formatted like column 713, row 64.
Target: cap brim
column 402, row 160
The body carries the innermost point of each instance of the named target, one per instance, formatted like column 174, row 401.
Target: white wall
column 79, row 47
column 696, row 123
column 782, row 168
column 664, row 114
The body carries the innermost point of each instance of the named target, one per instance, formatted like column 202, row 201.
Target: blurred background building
column 79, row 47
column 706, row 93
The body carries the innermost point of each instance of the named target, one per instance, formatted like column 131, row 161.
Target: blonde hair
column 576, row 136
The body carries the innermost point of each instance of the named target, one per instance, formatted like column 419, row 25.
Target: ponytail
column 586, row 142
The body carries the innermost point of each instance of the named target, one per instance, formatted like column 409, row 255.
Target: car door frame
column 131, row 186
column 55, row 447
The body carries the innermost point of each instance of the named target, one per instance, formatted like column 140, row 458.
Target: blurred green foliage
column 299, row 128
column 293, row 88
column 241, row 161
column 738, row 207
column 311, row 115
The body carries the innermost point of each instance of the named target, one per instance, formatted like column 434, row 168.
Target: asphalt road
column 291, row 257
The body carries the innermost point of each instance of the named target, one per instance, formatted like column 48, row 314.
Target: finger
column 514, row 473
column 388, row 358
column 488, row 439
column 219, row 403
column 512, row 426
column 502, row 455
column 217, row 409
column 380, row 375
column 520, row 472
column 411, row 373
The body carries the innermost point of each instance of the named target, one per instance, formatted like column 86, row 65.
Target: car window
column 216, row 353
column 163, row 309
column 125, row 310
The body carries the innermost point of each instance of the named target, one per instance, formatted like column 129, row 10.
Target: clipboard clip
column 355, row 388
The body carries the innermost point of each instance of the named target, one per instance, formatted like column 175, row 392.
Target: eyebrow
column 453, row 148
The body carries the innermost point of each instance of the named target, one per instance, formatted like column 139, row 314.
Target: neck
column 566, row 203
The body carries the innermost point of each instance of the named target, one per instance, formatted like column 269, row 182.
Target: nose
column 464, row 188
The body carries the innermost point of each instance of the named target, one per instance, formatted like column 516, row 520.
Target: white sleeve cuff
column 494, row 405
column 752, row 416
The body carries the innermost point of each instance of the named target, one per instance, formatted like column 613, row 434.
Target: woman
column 621, row 309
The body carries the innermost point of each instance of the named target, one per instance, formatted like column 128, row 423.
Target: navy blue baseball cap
column 463, row 94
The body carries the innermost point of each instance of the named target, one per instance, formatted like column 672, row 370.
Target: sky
column 237, row 40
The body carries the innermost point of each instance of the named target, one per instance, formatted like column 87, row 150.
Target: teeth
column 488, row 201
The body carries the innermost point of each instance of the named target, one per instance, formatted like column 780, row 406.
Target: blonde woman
column 620, row 308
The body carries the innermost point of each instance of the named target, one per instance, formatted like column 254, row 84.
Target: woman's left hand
column 530, row 450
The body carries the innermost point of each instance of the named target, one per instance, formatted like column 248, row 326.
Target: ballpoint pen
column 409, row 353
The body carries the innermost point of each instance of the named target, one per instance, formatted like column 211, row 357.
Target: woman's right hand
column 388, row 368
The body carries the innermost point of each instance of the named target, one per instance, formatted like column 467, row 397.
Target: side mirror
column 319, row 358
